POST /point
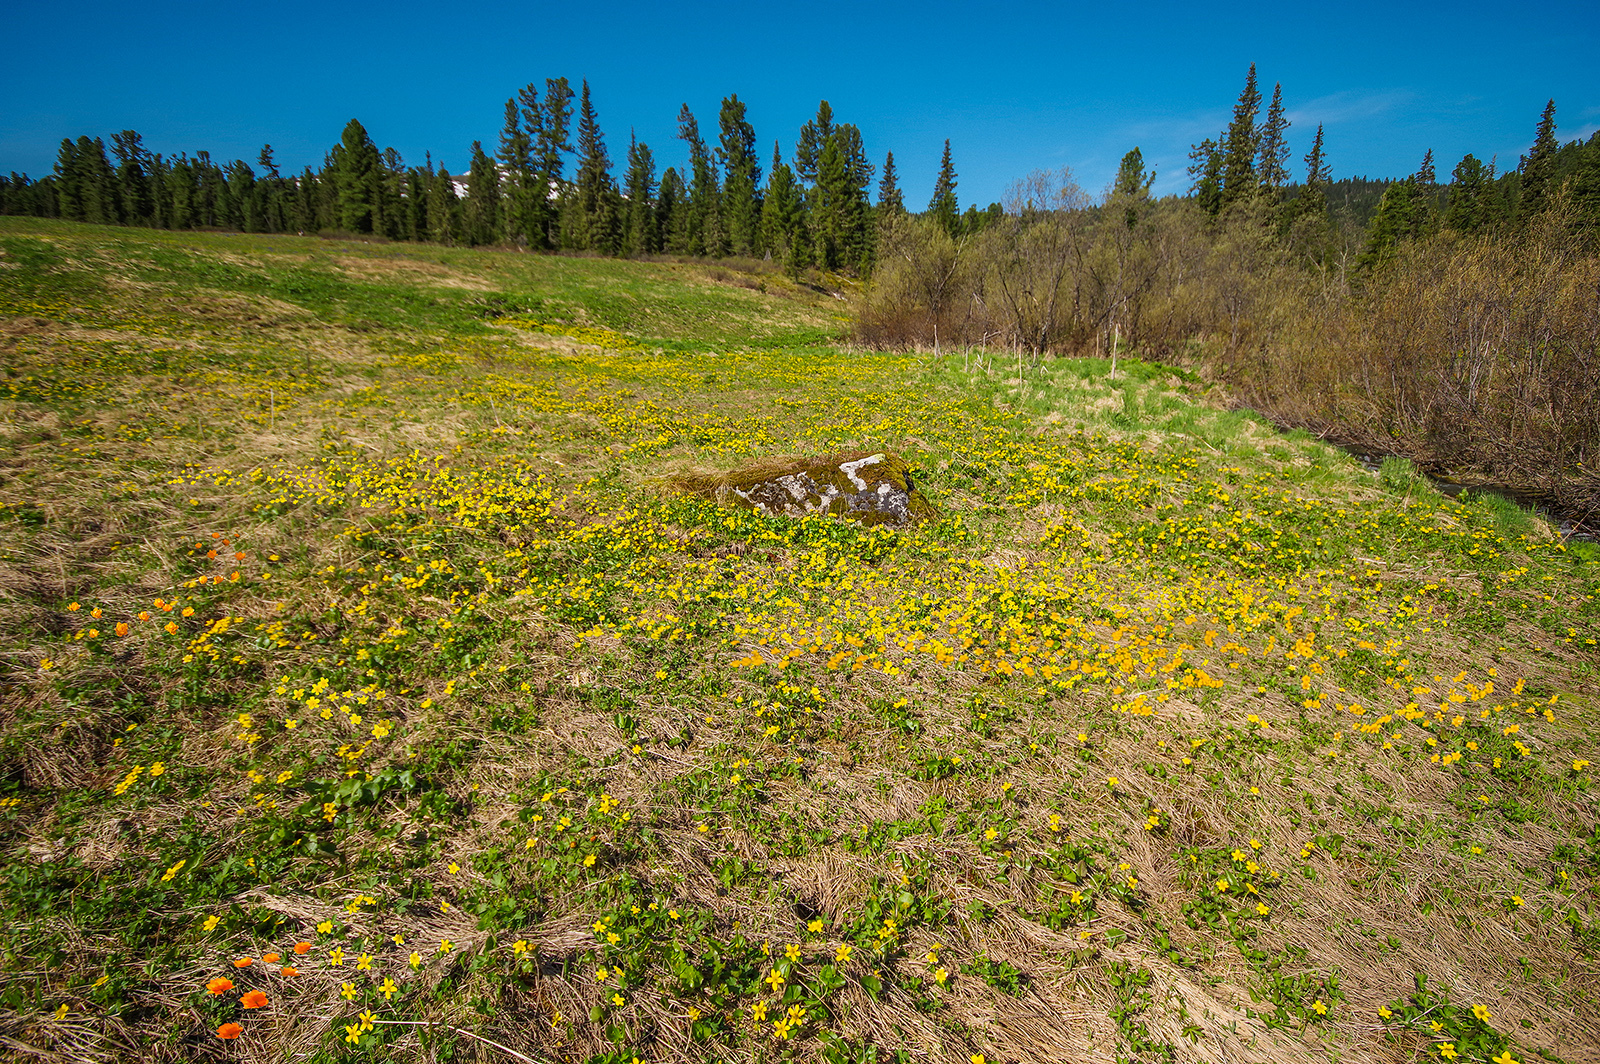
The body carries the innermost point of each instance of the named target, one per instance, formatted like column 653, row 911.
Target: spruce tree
column 304, row 208
column 241, row 212
column 783, row 228
column 133, row 184
column 1585, row 186
column 943, row 206
column 671, row 220
column 1131, row 190
column 1205, row 176
column 481, row 213
column 355, row 167
column 1241, row 144
column 1538, row 168
column 444, row 224
column 639, row 232
column 1395, row 220
column 741, row 179
column 97, row 192
column 515, row 153
column 69, row 185
column 813, row 135
column 702, row 226
column 891, row 203
column 1273, row 169
column 550, row 125
column 1313, row 198
column 1465, row 208
column 858, row 174
column 831, row 207
column 592, row 222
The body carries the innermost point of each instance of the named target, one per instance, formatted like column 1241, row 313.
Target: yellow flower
column 211, row 923
column 388, row 988
column 1319, row 1007
column 364, row 963
column 348, row 991
column 842, row 954
column 415, row 960
column 1482, row 1012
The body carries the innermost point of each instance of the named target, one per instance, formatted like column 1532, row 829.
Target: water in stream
column 1566, row 524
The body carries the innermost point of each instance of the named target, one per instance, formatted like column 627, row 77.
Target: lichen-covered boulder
column 872, row 487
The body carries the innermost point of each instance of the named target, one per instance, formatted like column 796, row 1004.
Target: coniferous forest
column 1447, row 316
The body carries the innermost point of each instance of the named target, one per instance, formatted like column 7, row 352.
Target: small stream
column 1566, row 524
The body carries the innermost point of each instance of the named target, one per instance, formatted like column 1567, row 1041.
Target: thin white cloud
column 1348, row 107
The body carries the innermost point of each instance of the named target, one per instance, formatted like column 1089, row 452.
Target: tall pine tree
column 1205, row 176
column 741, row 179
column 639, row 234
column 783, row 223
column 519, row 184
column 813, row 135
column 550, row 124
column 591, row 222
column 353, row 166
column 891, row 203
column 1539, row 168
column 1240, row 146
column 702, row 222
column 481, row 214
column 1274, row 164
column 943, row 206
column 1465, row 209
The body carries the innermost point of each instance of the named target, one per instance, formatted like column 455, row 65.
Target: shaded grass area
column 382, row 658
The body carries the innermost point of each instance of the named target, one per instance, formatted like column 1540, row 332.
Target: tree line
column 1459, row 325
column 547, row 183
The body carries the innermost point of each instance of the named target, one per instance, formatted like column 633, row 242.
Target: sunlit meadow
column 368, row 692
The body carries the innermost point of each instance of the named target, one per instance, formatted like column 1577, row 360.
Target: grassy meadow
column 367, row 693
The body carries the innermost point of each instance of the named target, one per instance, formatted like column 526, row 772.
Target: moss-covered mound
column 872, row 487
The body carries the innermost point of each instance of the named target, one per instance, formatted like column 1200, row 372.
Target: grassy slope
column 1175, row 739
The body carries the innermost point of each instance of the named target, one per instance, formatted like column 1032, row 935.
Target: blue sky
column 1015, row 87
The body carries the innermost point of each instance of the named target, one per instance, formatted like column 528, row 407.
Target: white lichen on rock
column 874, row 488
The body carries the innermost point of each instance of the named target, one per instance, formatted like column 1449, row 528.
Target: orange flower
column 270, row 958
column 254, row 1000
column 229, row 1030
column 288, row 969
column 244, row 962
column 122, row 628
column 219, row 985
column 302, row 947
